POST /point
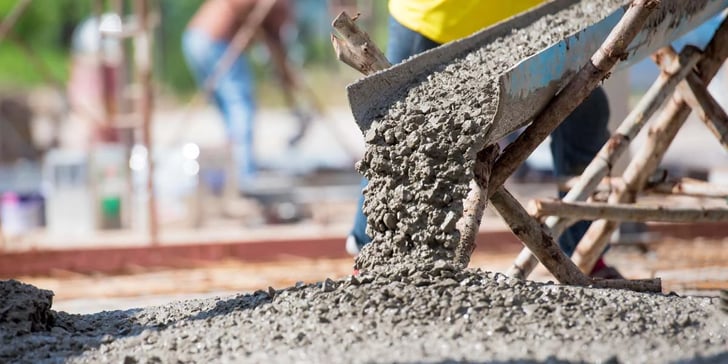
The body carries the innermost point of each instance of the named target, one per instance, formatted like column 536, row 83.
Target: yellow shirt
column 446, row 20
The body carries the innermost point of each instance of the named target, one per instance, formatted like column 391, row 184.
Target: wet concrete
column 24, row 309
column 421, row 150
column 412, row 303
column 436, row 316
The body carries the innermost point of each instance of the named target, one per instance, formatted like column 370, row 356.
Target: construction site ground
column 230, row 255
column 687, row 267
column 691, row 259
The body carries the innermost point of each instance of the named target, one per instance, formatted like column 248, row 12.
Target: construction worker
column 206, row 39
column 418, row 25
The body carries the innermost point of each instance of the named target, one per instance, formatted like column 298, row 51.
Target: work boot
column 352, row 246
column 603, row 271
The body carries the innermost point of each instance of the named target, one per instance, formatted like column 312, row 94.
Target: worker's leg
column 402, row 44
column 358, row 236
column 573, row 146
column 233, row 95
column 235, row 92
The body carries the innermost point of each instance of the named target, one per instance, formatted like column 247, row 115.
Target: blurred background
column 116, row 183
column 74, row 131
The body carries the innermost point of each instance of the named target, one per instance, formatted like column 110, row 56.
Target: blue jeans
column 233, row 95
column 573, row 144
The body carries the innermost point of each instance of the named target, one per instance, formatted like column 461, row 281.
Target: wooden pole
column 628, row 212
column 689, row 187
column 653, row 285
column 539, row 240
column 108, row 133
column 679, row 187
column 614, row 149
column 143, row 60
column 575, row 92
column 673, row 116
column 709, row 111
column 355, row 48
column 474, row 204
column 696, row 95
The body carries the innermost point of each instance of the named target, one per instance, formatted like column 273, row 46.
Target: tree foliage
column 47, row 27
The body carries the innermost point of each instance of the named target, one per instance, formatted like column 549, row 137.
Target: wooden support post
column 538, row 239
column 563, row 104
column 474, row 204
column 575, row 92
column 106, row 132
column 355, row 48
column 673, row 116
column 143, row 60
column 679, row 187
column 614, row 149
column 709, row 111
column 627, row 212
column 653, row 285
column 695, row 93
column 689, row 187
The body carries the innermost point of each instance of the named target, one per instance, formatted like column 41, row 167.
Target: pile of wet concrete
column 438, row 315
column 24, row 309
column 413, row 302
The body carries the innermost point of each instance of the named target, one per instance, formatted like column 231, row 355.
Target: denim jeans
column 233, row 95
column 573, row 144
